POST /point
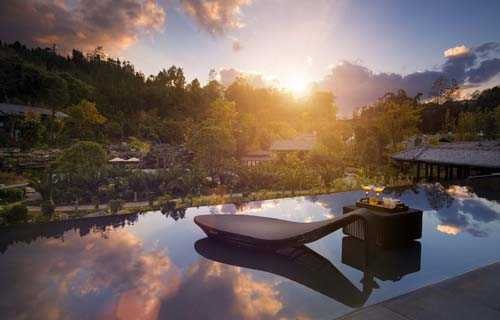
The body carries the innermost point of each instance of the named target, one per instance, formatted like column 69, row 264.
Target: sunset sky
column 357, row 49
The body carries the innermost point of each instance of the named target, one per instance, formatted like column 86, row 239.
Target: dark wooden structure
column 389, row 229
column 383, row 228
column 269, row 233
column 450, row 161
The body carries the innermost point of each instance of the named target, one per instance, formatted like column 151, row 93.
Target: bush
column 10, row 195
column 47, row 208
column 16, row 214
column 10, row 178
column 115, row 205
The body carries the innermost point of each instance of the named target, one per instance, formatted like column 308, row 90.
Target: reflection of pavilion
column 314, row 271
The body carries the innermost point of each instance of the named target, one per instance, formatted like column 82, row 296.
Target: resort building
column 10, row 114
column 456, row 160
column 300, row 144
column 256, row 157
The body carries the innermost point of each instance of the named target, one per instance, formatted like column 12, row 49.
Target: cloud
column 488, row 47
column 83, row 24
column 228, row 76
column 355, row 85
column 237, row 46
column 458, row 51
column 309, row 60
column 216, row 16
column 486, row 71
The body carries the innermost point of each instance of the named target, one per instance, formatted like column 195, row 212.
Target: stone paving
column 474, row 295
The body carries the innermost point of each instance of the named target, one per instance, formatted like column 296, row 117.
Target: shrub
column 95, row 202
column 10, row 195
column 47, row 208
column 16, row 214
column 10, row 178
column 115, row 205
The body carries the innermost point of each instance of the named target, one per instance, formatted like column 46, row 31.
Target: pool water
column 156, row 266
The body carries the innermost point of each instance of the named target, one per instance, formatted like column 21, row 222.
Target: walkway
column 474, row 295
column 90, row 207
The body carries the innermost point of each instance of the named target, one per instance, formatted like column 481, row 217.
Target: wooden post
column 418, row 171
column 438, row 172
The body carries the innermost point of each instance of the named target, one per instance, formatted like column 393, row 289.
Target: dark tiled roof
column 260, row 155
column 478, row 154
column 304, row 142
column 17, row 109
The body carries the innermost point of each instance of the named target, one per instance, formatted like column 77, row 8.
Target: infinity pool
column 154, row 266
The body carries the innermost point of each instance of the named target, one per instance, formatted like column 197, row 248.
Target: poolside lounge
column 455, row 160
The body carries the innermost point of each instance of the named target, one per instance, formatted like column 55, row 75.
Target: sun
column 297, row 85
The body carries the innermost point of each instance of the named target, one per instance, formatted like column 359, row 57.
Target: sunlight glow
column 297, row 85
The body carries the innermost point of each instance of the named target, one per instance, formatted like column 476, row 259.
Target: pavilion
column 455, row 160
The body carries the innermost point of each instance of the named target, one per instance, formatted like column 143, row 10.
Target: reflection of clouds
column 212, row 290
column 107, row 275
column 459, row 192
column 456, row 206
column 336, row 201
column 258, row 206
column 448, row 229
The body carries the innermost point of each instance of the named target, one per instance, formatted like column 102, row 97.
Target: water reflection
column 382, row 264
column 107, row 274
column 33, row 232
column 458, row 208
column 314, row 271
column 211, row 290
column 301, row 265
column 145, row 266
column 174, row 213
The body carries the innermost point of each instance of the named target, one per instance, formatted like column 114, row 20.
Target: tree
column 32, row 131
column 397, row 121
column 444, row 89
column 82, row 168
column 467, row 126
column 379, row 129
column 213, row 140
column 327, row 162
column 85, row 121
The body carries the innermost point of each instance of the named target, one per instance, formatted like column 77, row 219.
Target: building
column 10, row 114
column 256, row 157
column 456, row 160
column 300, row 144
